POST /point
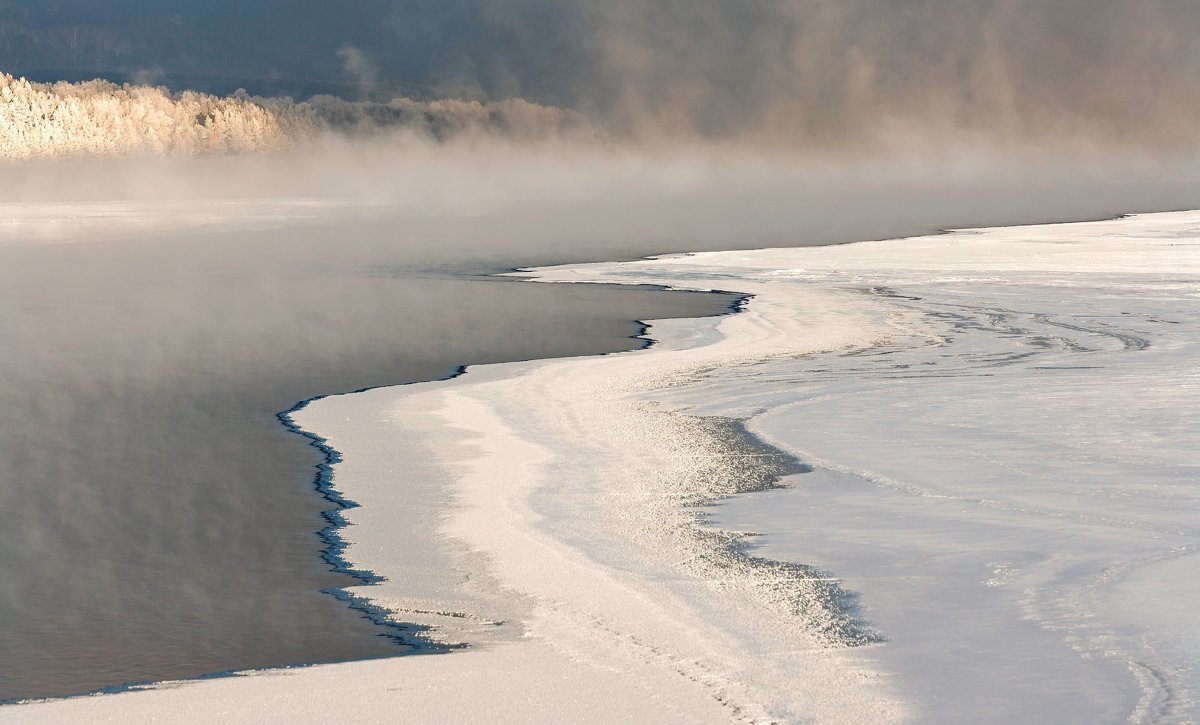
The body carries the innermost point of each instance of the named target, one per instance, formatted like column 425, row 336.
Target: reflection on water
column 159, row 522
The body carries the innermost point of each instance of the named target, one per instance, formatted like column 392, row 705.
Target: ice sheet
column 1001, row 425
column 1010, row 480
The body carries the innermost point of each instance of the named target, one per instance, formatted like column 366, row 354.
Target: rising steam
column 816, row 72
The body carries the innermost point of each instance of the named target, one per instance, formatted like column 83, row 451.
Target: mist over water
column 176, row 267
column 160, row 521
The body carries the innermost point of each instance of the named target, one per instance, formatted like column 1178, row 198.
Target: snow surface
column 1000, row 522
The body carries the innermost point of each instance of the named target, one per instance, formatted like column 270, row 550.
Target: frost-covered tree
column 98, row 118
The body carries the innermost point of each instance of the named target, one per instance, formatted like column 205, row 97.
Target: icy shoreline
column 579, row 572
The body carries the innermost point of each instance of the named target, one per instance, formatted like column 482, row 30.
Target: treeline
column 98, row 118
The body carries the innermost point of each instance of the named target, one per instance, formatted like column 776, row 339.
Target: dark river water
column 158, row 520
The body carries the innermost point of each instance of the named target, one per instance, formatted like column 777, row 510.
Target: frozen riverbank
column 1000, row 423
column 161, row 519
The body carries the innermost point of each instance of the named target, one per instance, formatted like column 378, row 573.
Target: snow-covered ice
column 1000, row 521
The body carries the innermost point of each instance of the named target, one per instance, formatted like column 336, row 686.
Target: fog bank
column 801, row 73
column 649, row 124
column 566, row 199
column 819, row 72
